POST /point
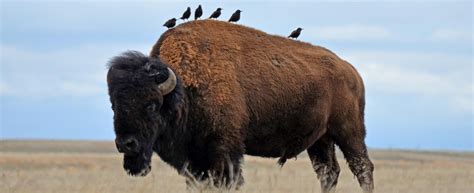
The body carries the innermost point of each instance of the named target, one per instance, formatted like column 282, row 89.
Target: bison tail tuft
column 282, row 161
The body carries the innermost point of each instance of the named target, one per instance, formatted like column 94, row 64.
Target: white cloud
column 439, row 76
column 77, row 71
column 78, row 17
column 451, row 35
column 353, row 32
column 76, row 88
column 3, row 88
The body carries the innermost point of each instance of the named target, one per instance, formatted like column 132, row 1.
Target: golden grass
column 68, row 167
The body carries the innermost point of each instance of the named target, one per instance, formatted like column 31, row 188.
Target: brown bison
column 212, row 91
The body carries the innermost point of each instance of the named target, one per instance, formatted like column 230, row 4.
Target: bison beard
column 139, row 164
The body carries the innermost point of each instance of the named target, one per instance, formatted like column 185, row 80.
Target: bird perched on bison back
column 235, row 16
column 170, row 23
column 295, row 33
column 216, row 13
column 186, row 14
column 198, row 12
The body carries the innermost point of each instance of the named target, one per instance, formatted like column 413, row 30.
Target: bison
column 211, row 91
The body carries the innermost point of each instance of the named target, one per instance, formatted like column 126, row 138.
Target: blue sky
column 415, row 58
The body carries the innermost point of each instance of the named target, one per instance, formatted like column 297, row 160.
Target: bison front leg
column 225, row 169
column 220, row 175
column 224, row 116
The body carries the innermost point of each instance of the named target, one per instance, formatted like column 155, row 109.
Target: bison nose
column 128, row 145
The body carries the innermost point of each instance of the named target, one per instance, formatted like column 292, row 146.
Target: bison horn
column 167, row 86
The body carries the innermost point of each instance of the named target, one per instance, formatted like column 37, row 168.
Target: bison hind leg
column 323, row 157
column 359, row 163
column 350, row 139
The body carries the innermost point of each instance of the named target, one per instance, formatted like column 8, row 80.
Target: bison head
column 137, row 85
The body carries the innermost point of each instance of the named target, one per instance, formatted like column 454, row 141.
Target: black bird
column 235, row 16
column 186, row 14
column 295, row 33
column 170, row 23
column 198, row 12
column 216, row 13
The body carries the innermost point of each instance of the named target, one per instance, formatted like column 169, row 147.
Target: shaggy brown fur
column 263, row 95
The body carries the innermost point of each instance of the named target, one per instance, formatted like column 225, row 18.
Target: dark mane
column 134, row 66
column 130, row 60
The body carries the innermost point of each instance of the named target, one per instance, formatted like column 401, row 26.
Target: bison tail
column 282, row 161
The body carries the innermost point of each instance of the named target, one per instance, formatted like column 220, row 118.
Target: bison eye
column 151, row 107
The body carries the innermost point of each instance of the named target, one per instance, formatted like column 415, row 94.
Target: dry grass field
column 88, row 167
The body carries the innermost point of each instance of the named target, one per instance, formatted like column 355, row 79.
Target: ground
column 81, row 166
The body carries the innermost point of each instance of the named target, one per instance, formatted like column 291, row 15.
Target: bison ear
column 152, row 70
column 147, row 66
column 154, row 73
